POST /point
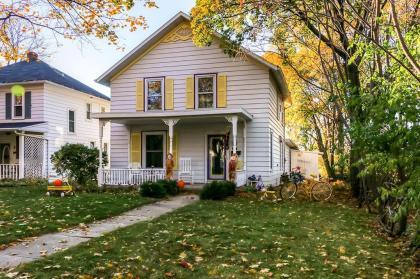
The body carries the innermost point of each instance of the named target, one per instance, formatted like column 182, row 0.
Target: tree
column 70, row 19
column 342, row 26
column 359, row 59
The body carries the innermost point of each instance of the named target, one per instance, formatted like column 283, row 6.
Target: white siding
column 248, row 87
column 58, row 101
column 37, row 100
column 277, row 127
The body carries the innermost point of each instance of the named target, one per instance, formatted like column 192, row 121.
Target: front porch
column 22, row 150
column 206, row 139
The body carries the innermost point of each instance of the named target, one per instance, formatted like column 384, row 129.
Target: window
column 154, row 147
column 105, row 149
column 92, row 144
column 103, row 109
column 271, row 149
column 88, row 111
column 71, row 121
column 205, row 86
column 154, row 93
column 281, row 156
column 18, row 104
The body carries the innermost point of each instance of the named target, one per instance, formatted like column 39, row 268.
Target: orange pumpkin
column 180, row 184
column 58, row 182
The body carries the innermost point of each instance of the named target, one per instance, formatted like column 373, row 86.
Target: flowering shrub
column 296, row 176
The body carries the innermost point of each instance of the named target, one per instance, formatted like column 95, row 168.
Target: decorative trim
column 181, row 33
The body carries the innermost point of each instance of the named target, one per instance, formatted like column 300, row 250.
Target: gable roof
column 180, row 17
column 37, row 70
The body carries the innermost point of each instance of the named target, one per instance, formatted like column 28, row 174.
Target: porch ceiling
column 35, row 127
column 184, row 115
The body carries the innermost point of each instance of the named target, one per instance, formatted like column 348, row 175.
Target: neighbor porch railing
column 9, row 171
column 131, row 176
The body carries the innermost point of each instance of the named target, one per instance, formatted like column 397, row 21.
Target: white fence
column 131, row 176
column 9, row 171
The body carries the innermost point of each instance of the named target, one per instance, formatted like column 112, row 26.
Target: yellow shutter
column 140, row 95
column 189, row 90
column 135, row 148
column 169, row 94
column 174, row 148
column 221, row 91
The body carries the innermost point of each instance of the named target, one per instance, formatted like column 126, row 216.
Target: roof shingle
column 37, row 70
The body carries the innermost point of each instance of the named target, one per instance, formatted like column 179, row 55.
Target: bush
column 218, row 190
column 170, row 186
column 153, row 190
column 78, row 162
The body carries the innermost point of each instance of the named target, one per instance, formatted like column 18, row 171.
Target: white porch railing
column 9, row 171
column 131, row 176
column 240, row 178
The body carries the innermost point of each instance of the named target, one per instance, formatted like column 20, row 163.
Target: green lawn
column 237, row 238
column 27, row 211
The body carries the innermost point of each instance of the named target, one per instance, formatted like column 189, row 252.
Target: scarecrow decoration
column 169, row 166
column 233, row 162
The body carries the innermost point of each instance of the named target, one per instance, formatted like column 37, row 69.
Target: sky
column 86, row 62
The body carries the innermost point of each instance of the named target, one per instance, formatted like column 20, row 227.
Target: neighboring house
column 55, row 109
column 169, row 96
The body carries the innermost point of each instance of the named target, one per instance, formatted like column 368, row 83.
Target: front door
column 153, row 149
column 216, row 157
column 4, row 153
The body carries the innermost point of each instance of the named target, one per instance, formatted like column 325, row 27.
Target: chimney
column 32, row 56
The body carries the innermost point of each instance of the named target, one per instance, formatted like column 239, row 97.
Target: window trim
column 13, row 107
column 143, row 146
column 89, row 111
column 146, row 92
column 196, row 99
column 271, row 134
column 74, row 121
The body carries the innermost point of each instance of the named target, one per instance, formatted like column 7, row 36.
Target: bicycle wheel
column 321, row 191
column 288, row 190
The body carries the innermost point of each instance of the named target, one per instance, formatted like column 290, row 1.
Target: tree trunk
column 356, row 117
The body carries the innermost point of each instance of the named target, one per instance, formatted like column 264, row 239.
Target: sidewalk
column 50, row 243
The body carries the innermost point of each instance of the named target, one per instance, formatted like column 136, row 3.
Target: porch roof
column 37, row 127
column 130, row 117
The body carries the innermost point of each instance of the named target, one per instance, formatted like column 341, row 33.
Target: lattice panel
column 34, row 157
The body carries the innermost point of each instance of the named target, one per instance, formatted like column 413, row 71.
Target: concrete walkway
column 50, row 243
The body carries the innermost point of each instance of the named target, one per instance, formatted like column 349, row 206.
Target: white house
column 169, row 96
column 55, row 109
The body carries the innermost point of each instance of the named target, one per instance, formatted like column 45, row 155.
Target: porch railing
column 9, row 171
column 131, row 176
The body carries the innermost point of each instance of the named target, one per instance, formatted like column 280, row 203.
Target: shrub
column 170, row 186
column 78, row 162
column 153, row 190
column 218, row 190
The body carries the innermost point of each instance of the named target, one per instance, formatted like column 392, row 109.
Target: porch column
column 245, row 136
column 234, row 120
column 171, row 123
column 101, row 135
column 21, row 156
